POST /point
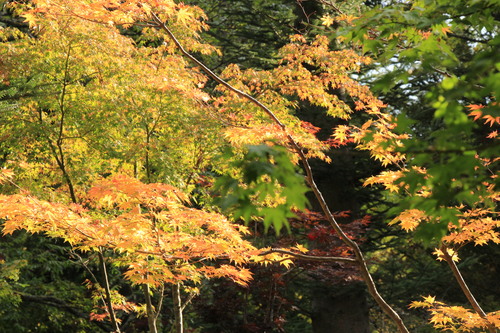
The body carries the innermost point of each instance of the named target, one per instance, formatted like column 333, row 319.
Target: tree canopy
column 163, row 160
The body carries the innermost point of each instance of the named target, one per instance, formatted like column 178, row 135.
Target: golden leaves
column 456, row 318
column 161, row 240
column 476, row 226
column 327, row 20
column 449, row 253
column 6, row 175
column 387, row 179
column 410, row 219
column 294, row 77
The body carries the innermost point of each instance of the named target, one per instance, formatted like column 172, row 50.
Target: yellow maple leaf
column 439, row 254
column 445, row 30
column 327, row 20
column 429, row 299
column 286, row 263
column 409, row 219
column 184, row 15
column 301, row 248
column 341, row 133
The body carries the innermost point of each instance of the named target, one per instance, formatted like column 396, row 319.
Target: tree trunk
column 149, row 309
column 176, row 295
column 341, row 309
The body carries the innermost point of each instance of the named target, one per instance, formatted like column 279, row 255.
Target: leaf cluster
column 268, row 187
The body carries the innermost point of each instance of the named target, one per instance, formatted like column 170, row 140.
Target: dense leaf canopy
column 142, row 188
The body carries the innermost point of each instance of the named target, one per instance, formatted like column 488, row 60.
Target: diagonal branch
column 465, row 288
column 309, row 177
column 309, row 257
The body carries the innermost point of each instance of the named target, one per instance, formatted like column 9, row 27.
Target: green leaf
column 269, row 188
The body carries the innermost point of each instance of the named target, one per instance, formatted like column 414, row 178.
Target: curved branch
column 309, row 177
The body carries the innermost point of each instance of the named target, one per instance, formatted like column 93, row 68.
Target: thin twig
column 107, row 289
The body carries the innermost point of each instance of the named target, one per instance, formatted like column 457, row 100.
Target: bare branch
column 62, row 305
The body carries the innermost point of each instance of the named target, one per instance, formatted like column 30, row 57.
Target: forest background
column 254, row 166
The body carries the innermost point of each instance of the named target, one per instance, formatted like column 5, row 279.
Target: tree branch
column 107, row 289
column 469, row 39
column 465, row 289
column 309, row 257
column 309, row 176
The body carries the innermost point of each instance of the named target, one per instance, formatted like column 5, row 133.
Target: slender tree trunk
column 178, row 318
column 465, row 289
column 107, row 289
column 151, row 313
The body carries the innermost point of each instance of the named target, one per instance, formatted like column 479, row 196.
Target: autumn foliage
column 158, row 238
column 118, row 146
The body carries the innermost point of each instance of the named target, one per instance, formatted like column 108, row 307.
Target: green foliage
column 268, row 187
column 37, row 278
column 434, row 59
column 248, row 32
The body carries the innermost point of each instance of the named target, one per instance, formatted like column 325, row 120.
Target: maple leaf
column 347, row 18
column 445, row 30
column 410, row 219
column 450, row 252
column 341, row 133
column 430, row 299
column 476, row 114
column 184, row 15
column 491, row 120
column 424, row 34
column 300, row 248
column 327, row 20
column 492, row 135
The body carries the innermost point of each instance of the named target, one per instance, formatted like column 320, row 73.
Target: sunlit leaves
column 308, row 71
column 161, row 239
column 410, row 219
column 5, row 175
column 455, row 318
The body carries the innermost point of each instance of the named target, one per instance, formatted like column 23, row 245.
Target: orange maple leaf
column 493, row 135
column 475, row 106
column 476, row 114
column 445, row 30
column 488, row 119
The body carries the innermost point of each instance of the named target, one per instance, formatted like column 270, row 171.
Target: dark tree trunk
column 340, row 309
